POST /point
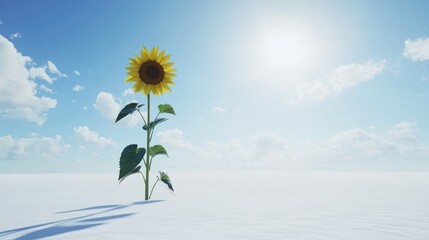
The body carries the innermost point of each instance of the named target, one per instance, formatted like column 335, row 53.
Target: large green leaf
column 154, row 123
column 136, row 170
column 166, row 179
column 130, row 158
column 128, row 110
column 157, row 150
column 166, row 108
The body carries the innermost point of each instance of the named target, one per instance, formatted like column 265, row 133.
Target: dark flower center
column 151, row 72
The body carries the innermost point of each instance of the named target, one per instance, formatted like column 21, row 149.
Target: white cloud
column 404, row 131
column 106, row 104
column 40, row 72
column 218, row 110
column 128, row 91
column 54, row 70
column 34, row 147
column 22, row 104
column 46, row 89
column 417, row 50
column 343, row 77
column 15, row 36
column 353, row 149
column 361, row 146
column 78, row 88
column 174, row 137
column 76, row 72
column 88, row 136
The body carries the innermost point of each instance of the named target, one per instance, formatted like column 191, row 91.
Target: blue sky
column 295, row 85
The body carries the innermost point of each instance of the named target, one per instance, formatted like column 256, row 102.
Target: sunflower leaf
column 166, row 108
column 157, row 150
column 128, row 110
column 136, row 170
column 166, row 179
column 154, row 123
column 131, row 157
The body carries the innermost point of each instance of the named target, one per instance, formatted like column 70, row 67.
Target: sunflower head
column 151, row 72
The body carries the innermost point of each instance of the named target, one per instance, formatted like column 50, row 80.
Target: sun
column 292, row 48
column 284, row 53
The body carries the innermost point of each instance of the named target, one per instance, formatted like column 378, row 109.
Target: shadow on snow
column 75, row 223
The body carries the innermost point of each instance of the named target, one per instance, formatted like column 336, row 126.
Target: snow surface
column 217, row 205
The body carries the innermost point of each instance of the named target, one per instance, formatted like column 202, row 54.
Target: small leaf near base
column 166, row 179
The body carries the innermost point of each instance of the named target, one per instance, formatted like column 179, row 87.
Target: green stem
column 147, row 149
column 153, row 188
column 150, row 162
column 144, row 180
column 142, row 117
column 151, row 134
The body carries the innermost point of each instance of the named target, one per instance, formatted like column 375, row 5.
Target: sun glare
column 289, row 48
column 284, row 53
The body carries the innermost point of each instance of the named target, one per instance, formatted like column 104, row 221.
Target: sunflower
column 151, row 72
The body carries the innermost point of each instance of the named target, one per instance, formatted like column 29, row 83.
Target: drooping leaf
column 157, row 150
column 130, row 158
column 166, row 108
column 136, row 170
column 154, row 123
column 166, row 179
column 128, row 110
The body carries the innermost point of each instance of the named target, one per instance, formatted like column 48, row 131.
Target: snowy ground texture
column 217, row 205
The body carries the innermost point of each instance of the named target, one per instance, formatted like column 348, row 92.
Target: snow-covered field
column 217, row 205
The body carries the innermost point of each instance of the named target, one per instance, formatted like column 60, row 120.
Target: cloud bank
column 35, row 147
column 18, row 94
column 353, row 149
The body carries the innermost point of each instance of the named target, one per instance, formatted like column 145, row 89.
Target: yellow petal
column 169, row 70
column 144, row 54
column 145, row 59
column 160, row 90
column 138, row 59
column 153, row 53
column 160, row 56
column 167, row 65
column 139, row 86
column 147, row 90
column 155, row 89
column 134, row 62
column 165, row 59
column 132, row 68
column 166, row 87
column 131, row 79
column 169, row 81
column 167, row 74
column 134, row 87
column 134, row 74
